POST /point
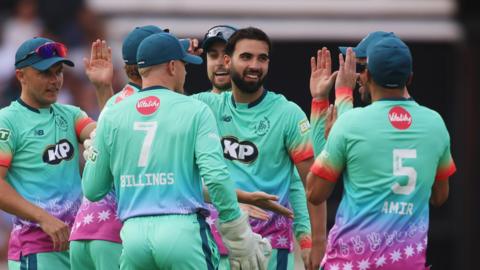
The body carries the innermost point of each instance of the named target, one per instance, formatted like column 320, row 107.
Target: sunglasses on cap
column 221, row 31
column 47, row 50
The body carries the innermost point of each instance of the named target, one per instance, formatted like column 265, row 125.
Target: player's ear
column 227, row 60
column 410, row 79
column 20, row 74
column 171, row 68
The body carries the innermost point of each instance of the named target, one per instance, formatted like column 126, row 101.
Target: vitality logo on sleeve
column 54, row 154
column 242, row 151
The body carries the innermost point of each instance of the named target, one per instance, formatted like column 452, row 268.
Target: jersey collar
column 135, row 85
column 254, row 103
column 397, row 99
column 154, row 87
column 21, row 102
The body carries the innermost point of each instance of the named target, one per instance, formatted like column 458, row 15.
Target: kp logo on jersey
column 54, row 154
column 245, row 152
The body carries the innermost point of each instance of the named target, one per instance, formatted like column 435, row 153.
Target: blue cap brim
column 343, row 50
column 47, row 63
column 185, row 42
column 192, row 59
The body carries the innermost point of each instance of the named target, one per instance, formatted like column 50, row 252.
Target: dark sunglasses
column 222, row 31
column 47, row 50
column 361, row 67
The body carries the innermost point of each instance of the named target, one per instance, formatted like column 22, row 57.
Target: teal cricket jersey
column 40, row 149
column 154, row 147
column 127, row 91
column 261, row 142
column 390, row 153
column 97, row 220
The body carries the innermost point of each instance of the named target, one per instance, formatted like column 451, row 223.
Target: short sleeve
column 297, row 137
column 7, row 142
column 81, row 121
column 332, row 160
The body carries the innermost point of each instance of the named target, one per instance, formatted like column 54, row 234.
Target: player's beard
column 244, row 86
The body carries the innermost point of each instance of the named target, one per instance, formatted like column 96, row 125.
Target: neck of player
column 379, row 93
column 245, row 97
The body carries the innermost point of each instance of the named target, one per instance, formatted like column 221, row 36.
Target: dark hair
column 246, row 33
column 132, row 72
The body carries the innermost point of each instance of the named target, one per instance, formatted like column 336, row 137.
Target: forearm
column 318, row 220
column 103, row 93
column 343, row 99
column 298, row 201
column 223, row 197
column 318, row 118
column 15, row 204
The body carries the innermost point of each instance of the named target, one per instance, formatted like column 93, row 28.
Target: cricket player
column 95, row 237
column 395, row 158
column 39, row 163
column 154, row 147
column 264, row 136
column 213, row 45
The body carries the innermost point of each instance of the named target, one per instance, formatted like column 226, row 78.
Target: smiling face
column 217, row 73
column 249, row 64
column 41, row 88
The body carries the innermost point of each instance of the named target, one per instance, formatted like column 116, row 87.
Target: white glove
column 246, row 250
column 88, row 145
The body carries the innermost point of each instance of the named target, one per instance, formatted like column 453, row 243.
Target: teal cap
column 372, row 38
column 26, row 55
column 389, row 61
column 163, row 47
column 134, row 38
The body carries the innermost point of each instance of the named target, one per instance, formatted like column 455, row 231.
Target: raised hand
column 347, row 75
column 99, row 67
column 321, row 76
column 331, row 118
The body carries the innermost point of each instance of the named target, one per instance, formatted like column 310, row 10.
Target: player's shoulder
column 280, row 101
column 10, row 110
column 67, row 108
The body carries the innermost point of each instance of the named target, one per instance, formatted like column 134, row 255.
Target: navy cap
column 372, row 38
column 217, row 33
column 26, row 56
column 161, row 48
column 389, row 61
column 133, row 39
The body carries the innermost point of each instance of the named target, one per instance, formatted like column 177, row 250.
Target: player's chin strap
column 246, row 250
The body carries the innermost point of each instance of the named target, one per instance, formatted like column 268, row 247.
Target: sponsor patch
column 148, row 105
column 304, row 126
column 233, row 149
column 4, row 134
column 54, row 154
column 399, row 118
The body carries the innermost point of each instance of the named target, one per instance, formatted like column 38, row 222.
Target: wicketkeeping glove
column 88, row 145
column 246, row 250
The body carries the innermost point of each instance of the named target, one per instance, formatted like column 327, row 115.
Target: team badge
column 61, row 122
column 4, row 134
column 399, row 118
column 262, row 127
column 304, row 126
column 148, row 105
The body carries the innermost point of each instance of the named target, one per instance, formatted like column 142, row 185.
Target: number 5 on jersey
column 400, row 170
